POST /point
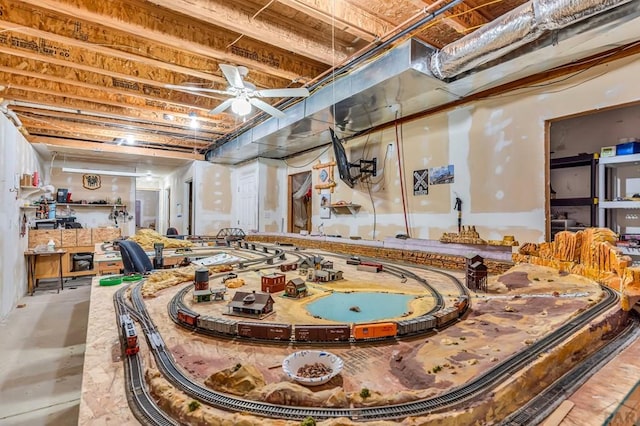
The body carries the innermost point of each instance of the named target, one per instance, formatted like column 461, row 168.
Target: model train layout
column 446, row 311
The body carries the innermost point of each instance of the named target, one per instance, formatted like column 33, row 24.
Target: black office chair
column 173, row 233
column 134, row 258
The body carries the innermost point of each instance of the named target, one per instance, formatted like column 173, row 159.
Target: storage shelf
column 589, row 160
column 580, row 201
column 620, row 204
column 344, row 208
column 575, row 161
column 620, row 160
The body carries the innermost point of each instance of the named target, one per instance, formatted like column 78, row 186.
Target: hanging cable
column 402, row 190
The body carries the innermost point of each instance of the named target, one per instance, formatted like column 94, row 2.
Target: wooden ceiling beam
column 93, row 132
column 228, row 14
column 50, row 27
column 123, row 75
column 53, row 100
column 35, row 83
column 178, row 131
column 180, row 32
column 460, row 17
column 345, row 16
column 103, row 147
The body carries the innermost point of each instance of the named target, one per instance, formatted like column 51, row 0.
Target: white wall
column 16, row 157
column 179, row 202
column 497, row 146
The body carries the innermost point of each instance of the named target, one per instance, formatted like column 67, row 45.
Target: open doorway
column 300, row 202
column 147, row 209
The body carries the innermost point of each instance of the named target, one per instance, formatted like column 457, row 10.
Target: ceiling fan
column 244, row 93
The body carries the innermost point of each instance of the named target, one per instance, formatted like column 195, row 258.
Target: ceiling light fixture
column 105, row 172
column 241, row 106
column 131, row 140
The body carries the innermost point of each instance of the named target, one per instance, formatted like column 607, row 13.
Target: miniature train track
column 177, row 302
column 474, row 388
column 545, row 402
column 143, row 406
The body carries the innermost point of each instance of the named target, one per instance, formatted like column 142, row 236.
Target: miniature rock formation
column 287, row 393
column 234, row 282
column 468, row 235
column 147, row 237
column 355, row 308
column 589, row 253
column 237, row 380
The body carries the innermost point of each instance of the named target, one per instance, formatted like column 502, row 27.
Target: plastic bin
column 628, row 148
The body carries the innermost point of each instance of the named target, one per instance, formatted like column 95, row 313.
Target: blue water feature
column 373, row 306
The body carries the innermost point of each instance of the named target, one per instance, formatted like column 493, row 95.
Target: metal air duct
column 511, row 31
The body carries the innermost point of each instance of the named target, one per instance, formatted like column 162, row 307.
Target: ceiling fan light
column 241, row 106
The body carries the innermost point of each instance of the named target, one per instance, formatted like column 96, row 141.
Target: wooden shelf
column 345, row 208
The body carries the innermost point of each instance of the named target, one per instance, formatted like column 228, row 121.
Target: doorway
column 300, row 202
column 147, row 208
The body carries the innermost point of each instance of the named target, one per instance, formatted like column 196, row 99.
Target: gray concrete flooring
column 42, row 348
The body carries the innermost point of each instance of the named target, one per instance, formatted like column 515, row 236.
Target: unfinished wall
column 16, row 157
column 112, row 188
column 212, row 189
column 497, row 148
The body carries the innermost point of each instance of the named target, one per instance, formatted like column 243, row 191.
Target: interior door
column 300, row 202
column 247, row 203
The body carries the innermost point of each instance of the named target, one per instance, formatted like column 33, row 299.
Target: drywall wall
column 112, row 189
column 16, row 157
column 273, row 190
column 497, row 148
column 212, row 190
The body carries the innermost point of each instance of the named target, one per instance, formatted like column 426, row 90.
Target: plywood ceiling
column 86, row 74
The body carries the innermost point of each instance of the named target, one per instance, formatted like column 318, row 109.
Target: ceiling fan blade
column 196, row 89
column 226, row 104
column 233, row 76
column 267, row 108
column 283, row 93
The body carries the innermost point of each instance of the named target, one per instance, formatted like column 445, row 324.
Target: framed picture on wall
column 91, row 181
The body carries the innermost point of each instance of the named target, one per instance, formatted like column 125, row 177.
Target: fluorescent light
column 104, row 172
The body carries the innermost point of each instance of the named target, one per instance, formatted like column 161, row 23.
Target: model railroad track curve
column 142, row 404
column 476, row 387
column 545, row 402
column 177, row 305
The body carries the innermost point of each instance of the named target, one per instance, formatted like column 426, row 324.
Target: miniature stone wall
column 589, row 253
column 437, row 260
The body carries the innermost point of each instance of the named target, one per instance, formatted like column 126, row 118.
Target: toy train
column 129, row 335
column 324, row 333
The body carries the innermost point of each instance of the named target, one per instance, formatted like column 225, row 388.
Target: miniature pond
column 343, row 307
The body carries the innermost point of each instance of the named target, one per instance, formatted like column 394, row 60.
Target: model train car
column 129, row 335
column 288, row 267
column 328, row 332
column 322, row 333
column 224, row 326
column 188, row 317
column 264, row 331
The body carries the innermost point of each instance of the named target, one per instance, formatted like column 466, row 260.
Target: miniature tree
column 194, row 405
column 365, row 393
column 309, row 421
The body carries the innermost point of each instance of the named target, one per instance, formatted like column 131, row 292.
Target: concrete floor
column 42, row 352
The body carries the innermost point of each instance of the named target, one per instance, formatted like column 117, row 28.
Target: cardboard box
column 608, row 151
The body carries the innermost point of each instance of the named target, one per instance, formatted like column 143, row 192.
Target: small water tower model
column 201, row 291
